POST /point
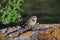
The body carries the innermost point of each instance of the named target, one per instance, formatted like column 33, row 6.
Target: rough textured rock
column 31, row 35
column 49, row 34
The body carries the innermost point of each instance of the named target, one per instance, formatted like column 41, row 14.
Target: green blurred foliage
column 9, row 11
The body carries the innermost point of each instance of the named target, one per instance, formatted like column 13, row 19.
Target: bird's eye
column 33, row 20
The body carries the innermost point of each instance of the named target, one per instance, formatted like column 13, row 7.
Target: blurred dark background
column 47, row 11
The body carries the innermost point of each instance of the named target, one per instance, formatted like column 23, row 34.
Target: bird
column 31, row 21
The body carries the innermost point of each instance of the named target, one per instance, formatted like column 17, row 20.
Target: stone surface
column 50, row 34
